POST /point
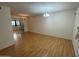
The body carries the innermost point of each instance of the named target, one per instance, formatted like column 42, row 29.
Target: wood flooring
column 36, row 45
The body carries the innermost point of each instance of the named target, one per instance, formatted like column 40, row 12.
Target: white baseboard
column 3, row 46
column 50, row 35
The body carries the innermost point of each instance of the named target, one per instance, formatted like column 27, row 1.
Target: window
column 15, row 23
column 18, row 23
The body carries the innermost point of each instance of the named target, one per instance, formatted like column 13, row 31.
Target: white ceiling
column 34, row 8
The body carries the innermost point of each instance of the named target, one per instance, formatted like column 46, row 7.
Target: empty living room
column 39, row 29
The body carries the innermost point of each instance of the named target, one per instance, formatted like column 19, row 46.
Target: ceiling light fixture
column 46, row 14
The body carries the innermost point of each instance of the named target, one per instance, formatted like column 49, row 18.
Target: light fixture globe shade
column 46, row 15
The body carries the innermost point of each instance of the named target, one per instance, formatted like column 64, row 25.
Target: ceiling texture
column 37, row 8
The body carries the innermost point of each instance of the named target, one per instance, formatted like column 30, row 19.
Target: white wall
column 75, row 41
column 6, row 35
column 25, row 25
column 59, row 24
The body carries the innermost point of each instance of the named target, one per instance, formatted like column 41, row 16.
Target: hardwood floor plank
column 33, row 44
